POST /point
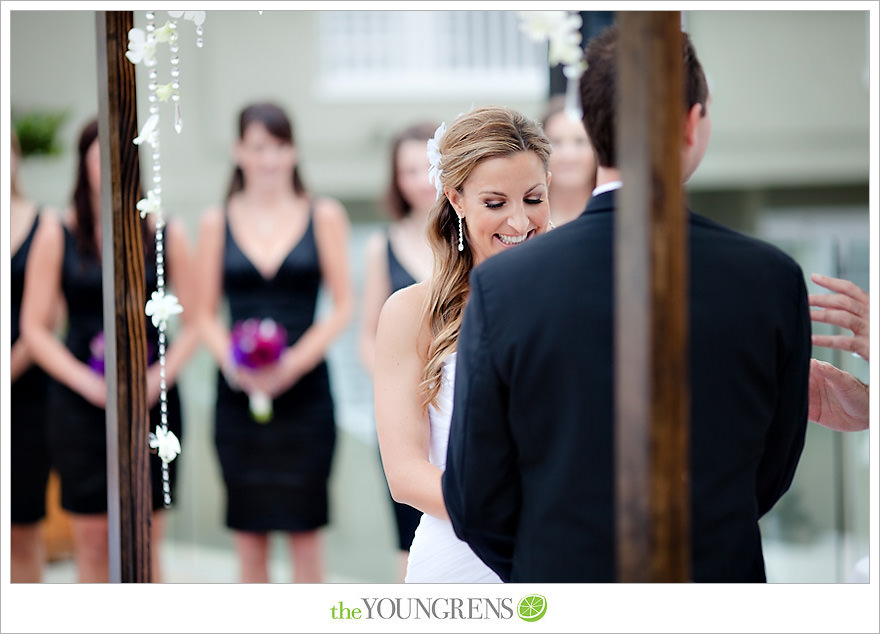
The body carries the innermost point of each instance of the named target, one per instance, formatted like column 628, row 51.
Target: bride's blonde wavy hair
column 483, row 133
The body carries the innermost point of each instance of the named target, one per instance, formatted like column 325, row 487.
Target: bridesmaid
column 264, row 254
column 397, row 257
column 572, row 162
column 65, row 264
column 29, row 450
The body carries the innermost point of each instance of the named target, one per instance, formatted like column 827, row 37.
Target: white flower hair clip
column 434, row 157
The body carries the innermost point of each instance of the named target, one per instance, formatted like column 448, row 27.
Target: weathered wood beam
column 128, row 470
column 651, row 376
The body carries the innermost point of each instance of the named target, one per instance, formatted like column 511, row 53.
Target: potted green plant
column 37, row 131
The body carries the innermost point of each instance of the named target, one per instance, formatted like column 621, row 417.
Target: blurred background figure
column 397, row 257
column 572, row 164
column 65, row 264
column 29, row 470
column 265, row 253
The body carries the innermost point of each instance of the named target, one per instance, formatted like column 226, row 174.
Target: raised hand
column 848, row 307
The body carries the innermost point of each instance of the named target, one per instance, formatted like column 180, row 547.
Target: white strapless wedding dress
column 436, row 554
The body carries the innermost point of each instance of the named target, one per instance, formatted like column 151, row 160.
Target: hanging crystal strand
column 199, row 34
column 160, row 255
column 151, row 22
column 163, row 387
column 153, row 98
column 174, row 48
column 160, row 288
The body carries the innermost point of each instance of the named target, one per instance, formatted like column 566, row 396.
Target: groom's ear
column 691, row 124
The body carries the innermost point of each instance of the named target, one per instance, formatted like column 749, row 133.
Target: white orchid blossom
column 197, row 17
column 561, row 29
column 141, row 47
column 565, row 48
column 152, row 204
column 149, row 132
column 163, row 33
column 538, row 24
column 164, row 91
column 161, row 306
column 166, row 443
column 434, row 157
column 541, row 25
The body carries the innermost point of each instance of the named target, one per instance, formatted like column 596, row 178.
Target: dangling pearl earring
column 460, row 236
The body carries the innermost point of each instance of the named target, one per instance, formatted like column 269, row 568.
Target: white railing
column 414, row 55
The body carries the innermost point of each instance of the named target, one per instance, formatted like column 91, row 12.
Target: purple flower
column 96, row 350
column 257, row 343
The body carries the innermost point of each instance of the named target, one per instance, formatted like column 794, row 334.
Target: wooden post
column 651, row 376
column 128, row 470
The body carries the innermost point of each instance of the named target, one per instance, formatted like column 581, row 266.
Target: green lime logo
column 532, row 608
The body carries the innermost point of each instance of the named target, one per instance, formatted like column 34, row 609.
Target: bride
column 491, row 172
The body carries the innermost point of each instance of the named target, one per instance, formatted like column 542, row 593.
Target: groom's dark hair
column 598, row 86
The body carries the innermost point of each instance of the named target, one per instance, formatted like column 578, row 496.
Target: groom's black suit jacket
column 529, row 480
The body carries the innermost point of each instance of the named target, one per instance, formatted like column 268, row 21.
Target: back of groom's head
column 598, row 86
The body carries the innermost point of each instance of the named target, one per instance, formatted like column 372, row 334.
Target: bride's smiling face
column 503, row 203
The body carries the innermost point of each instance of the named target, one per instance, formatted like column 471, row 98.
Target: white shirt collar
column 607, row 187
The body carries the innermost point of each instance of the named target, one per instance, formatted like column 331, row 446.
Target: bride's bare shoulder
column 403, row 315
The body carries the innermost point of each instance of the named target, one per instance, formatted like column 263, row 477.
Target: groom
column 529, row 480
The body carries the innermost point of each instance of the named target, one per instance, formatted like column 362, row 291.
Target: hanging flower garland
column 562, row 31
column 142, row 48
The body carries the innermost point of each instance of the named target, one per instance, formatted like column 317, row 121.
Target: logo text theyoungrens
column 439, row 608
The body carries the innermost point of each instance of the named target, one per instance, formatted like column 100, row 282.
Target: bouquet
column 96, row 353
column 256, row 344
column 96, row 350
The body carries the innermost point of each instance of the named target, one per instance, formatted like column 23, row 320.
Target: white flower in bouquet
column 260, row 406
